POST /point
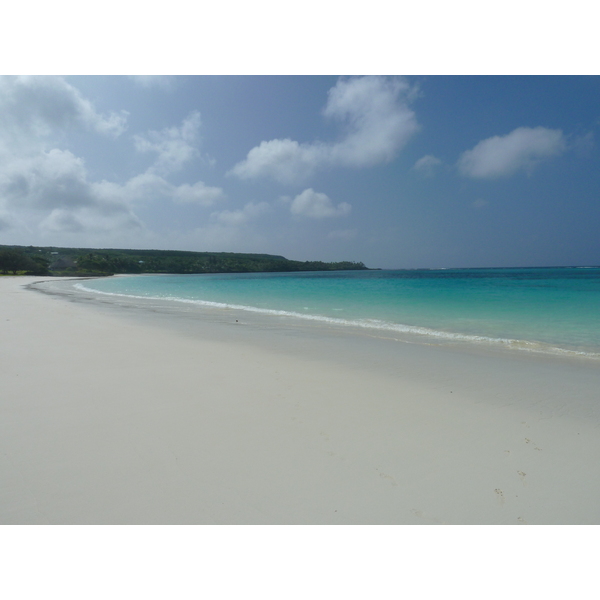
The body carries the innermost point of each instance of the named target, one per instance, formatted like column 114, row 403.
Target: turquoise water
column 539, row 309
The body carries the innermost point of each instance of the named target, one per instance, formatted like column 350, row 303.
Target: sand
column 116, row 414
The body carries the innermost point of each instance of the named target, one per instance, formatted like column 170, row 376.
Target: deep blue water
column 544, row 308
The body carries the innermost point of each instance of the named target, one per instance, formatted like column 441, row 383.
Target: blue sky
column 397, row 172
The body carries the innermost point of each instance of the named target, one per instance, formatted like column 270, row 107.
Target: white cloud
column 47, row 189
column 521, row 149
column 174, row 145
column 377, row 119
column 46, row 180
column 286, row 161
column 148, row 187
column 57, row 180
column 376, row 122
column 427, row 165
column 144, row 187
column 89, row 220
column 198, row 193
column 317, row 205
column 54, row 191
column 31, row 107
column 236, row 218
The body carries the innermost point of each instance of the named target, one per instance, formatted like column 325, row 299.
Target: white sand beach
column 115, row 414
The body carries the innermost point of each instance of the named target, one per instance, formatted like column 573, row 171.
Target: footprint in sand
column 500, row 495
column 388, row 477
column 528, row 441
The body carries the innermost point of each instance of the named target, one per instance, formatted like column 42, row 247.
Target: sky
column 394, row 171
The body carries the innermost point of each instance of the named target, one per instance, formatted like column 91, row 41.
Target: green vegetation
column 16, row 262
column 36, row 260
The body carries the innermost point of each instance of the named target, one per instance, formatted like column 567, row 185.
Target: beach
column 116, row 412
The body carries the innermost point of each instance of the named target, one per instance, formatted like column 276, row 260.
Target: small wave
column 376, row 324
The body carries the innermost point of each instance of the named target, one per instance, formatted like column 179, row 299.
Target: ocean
column 549, row 310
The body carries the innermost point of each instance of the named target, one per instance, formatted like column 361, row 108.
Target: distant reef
column 49, row 260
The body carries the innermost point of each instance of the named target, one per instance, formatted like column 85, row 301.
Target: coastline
column 450, row 330
column 124, row 414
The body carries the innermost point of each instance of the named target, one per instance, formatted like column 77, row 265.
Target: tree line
column 15, row 262
column 79, row 261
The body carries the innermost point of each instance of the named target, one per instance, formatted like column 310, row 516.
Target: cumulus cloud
column 148, row 187
column 48, row 179
column 58, row 187
column 198, row 193
column 376, row 123
column 49, row 189
column 89, row 220
column 521, row 149
column 376, row 116
column 286, row 161
column 239, row 217
column 39, row 106
column 43, row 187
column 427, row 165
column 55, row 179
column 174, row 146
column 317, row 205
column 54, row 186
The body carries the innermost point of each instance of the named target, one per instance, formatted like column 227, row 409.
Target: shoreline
column 121, row 414
column 398, row 331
